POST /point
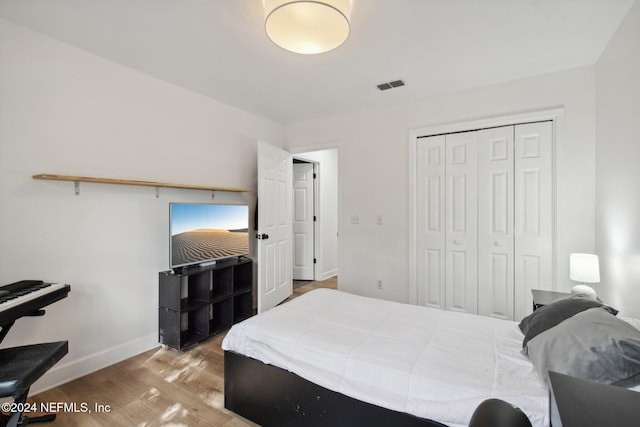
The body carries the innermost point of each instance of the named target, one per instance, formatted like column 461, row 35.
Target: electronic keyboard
column 27, row 297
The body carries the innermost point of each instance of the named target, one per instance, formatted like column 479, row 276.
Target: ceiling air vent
column 390, row 85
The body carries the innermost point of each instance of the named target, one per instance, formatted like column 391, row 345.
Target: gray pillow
column 592, row 345
column 551, row 314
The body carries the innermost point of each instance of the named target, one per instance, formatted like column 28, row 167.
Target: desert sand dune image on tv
column 207, row 244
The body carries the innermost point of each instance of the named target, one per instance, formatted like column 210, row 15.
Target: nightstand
column 542, row 298
column 576, row 402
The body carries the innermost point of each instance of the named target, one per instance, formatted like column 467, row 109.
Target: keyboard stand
column 5, row 328
column 20, row 367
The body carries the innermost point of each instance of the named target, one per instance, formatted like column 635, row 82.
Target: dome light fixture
column 307, row 27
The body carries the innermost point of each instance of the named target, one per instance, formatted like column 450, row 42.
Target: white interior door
column 484, row 208
column 461, row 207
column 274, row 226
column 533, row 212
column 495, row 222
column 431, row 223
column 303, row 221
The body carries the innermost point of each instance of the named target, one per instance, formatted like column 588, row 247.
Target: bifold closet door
column 430, row 187
column 461, row 210
column 533, row 264
column 496, row 222
column 514, row 217
column 447, row 224
column 484, row 219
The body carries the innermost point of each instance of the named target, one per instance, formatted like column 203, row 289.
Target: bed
column 333, row 358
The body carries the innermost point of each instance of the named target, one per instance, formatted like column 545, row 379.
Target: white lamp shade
column 584, row 268
column 307, row 27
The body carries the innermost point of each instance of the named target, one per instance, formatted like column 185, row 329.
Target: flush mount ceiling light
column 307, row 27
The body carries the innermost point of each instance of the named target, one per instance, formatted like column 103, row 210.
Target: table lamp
column 584, row 268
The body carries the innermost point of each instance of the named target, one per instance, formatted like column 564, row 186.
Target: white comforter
column 431, row 363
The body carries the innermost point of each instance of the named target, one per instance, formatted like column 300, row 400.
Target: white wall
column 374, row 171
column 66, row 111
column 328, row 212
column 617, row 167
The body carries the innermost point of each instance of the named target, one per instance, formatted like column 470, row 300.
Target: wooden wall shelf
column 157, row 185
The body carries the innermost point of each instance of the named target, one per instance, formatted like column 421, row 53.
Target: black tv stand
column 200, row 301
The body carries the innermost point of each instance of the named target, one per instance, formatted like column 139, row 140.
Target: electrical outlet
column 379, row 219
column 355, row 219
column 379, row 285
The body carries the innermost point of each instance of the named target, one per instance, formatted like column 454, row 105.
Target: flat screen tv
column 202, row 233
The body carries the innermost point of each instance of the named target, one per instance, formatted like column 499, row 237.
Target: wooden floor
column 161, row 387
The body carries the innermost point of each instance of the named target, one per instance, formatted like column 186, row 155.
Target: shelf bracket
column 76, row 185
column 157, row 192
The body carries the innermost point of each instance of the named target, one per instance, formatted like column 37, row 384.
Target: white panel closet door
column 533, row 212
column 495, row 222
column 431, row 225
column 485, row 224
column 461, row 237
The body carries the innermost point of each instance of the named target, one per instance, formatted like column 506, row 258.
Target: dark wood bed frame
column 271, row 396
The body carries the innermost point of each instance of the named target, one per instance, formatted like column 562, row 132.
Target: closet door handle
column 496, row 244
column 456, row 242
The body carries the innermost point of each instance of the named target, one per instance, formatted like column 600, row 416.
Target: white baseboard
column 64, row 372
column 329, row 274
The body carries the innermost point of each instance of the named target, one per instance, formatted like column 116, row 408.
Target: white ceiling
column 218, row 47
